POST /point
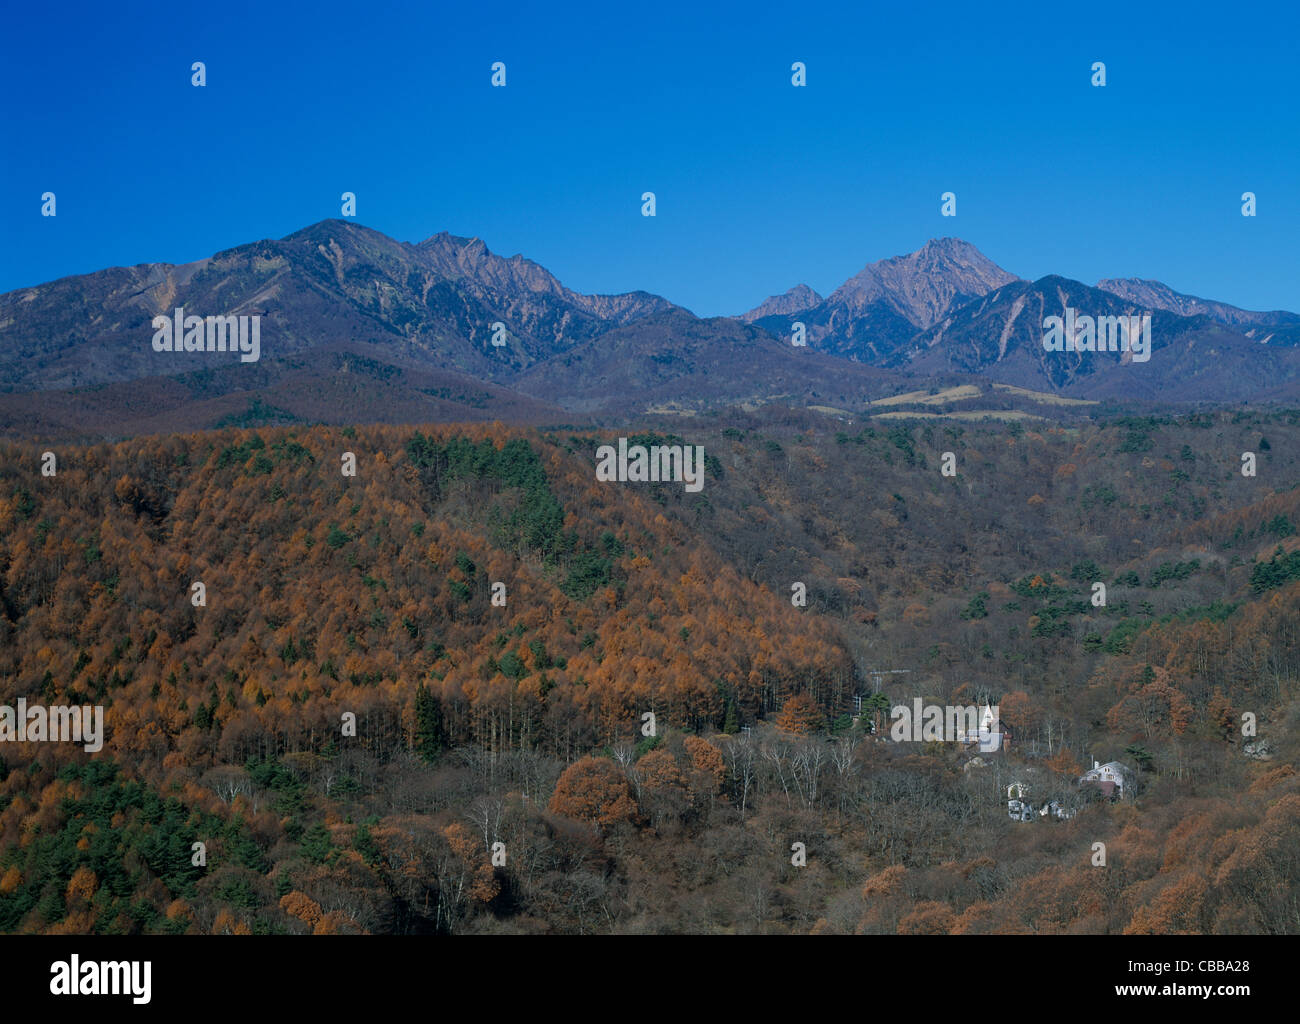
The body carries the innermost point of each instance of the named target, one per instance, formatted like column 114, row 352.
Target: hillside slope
column 372, row 595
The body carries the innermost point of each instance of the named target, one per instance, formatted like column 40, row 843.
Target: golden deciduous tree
column 800, row 714
column 706, row 763
column 301, row 906
column 485, row 886
column 1219, row 716
column 658, row 770
column 179, row 910
column 929, row 918
column 333, row 923
column 884, row 883
column 595, row 791
column 81, row 889
column 227, row 923
column 1156, row 709
column 1176, row 910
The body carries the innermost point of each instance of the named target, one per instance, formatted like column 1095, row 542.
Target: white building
column 1113, row 778
column 989, row 736
column 1018, row 806
column 1021, row 808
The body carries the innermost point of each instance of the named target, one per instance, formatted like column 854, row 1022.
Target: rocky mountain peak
column 798, row 298
column 924, row 284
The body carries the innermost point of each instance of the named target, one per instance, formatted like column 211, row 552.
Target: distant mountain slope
column 334, row 282
column 796, row 299
column 679, row 360
column 1001, row 336
column 871, row 334
column 352, row 383
column 1156, row 295
column 1275, row 327
column 878, row 310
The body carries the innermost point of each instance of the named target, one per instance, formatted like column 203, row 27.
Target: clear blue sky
column 760, row 185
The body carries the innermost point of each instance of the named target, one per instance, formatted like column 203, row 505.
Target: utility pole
column 877, row 674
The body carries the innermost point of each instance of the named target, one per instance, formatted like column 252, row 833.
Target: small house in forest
column 992, row 734
column 1021, row 808
column 1112, row 778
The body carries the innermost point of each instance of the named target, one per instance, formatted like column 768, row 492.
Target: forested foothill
column 499, row 778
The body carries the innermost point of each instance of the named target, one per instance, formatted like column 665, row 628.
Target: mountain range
column 883, row 306
column 358, row 326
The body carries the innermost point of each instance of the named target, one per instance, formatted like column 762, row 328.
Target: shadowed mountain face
column 1001, row 336
column 358, row 327
column 354, row 383
column 678, row 362
column 329, row 284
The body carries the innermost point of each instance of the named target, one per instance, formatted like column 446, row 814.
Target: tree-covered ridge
column 476, row 723
column 324, row 589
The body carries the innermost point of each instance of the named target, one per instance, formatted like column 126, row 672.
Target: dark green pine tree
column 731, row 724
column 430, row 736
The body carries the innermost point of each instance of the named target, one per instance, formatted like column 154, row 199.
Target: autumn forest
column 441, row 679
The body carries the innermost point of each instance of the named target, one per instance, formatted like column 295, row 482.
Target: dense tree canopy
column 391, row 674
